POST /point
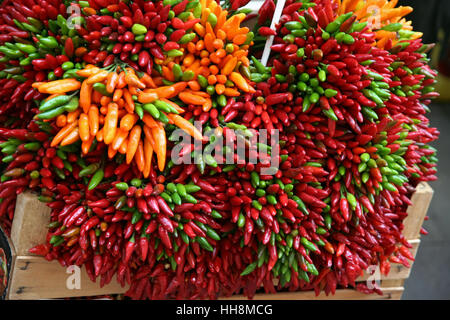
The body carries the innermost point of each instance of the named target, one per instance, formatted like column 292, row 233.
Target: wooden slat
column 392, row 283
column 421, row 200
column 37, row 278
column 29, row 227
column 341, row 294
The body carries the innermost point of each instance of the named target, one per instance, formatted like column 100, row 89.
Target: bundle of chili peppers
column 91, row 89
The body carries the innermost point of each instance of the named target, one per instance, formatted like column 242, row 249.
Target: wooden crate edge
column 52, row 280
column 389, row 293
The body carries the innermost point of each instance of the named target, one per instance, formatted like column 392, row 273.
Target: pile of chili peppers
column 91, row 89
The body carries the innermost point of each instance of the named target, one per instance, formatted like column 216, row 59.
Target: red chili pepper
column 129, row 249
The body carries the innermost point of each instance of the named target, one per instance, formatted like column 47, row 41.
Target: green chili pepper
column 176, row 198
column 271, row 199
column 49, row 42
column 249, row 269
column 138, row 29
column 90, row 169
column 72, row 105
column 174, row 53
column 14, row 54
column 203, row 82
column 27, row 48
column 181, row 189
column 53, row 103
column 164, row 106
column 51, row 113
column 96, row 179
column 210, row 232
column 100, row 87
column 241, row 220
column 204, row 243
column 306, row 104
column 190, row 199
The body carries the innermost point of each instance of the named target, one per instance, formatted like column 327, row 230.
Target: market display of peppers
column 90, row 90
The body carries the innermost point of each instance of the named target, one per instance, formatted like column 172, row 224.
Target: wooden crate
column 33, row 277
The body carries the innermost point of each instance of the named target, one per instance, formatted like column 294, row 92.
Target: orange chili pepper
column 111, row 152
column 148, row 153
column 194, row 85
column 105, row 100
column 133, row 90
column 148, row 135
column 123, row 146
column 209, row 42
column 50, row 97
column 86, row 145
column 93, row 116
column 159, row 135
column 128, row 121
column 214, row 70
column 83, row 125
column 190, row 98
column 110, row 126
column 85, row 96
column 121, row 83
column 231, row 92
column 218, row 44
column 73, row 116
column 240, row 39
column 111, row 81
column 72, row 137
column 239, row 81
column 61, row 120
column 129, row 103
column 97, row 77
column 88, row 11
column 214, row 58
column 88, row 71
column 59, row 86
column 99, row 135
column 139, row 156
column 148, row 81
column 133, row 142
column 147, row 97
column 221, row 78
column 220, row 34
column 96, row 97
column 186, row 126
column 229, row 66
column 149, row 121
column 117, row 95
column 212, row 79
column 62, row 134
column 104, row 110
column 207, row 106
column 119, row 138
column 220, row 88
column 132, row 80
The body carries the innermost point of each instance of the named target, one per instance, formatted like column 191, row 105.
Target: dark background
column 430, row 273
